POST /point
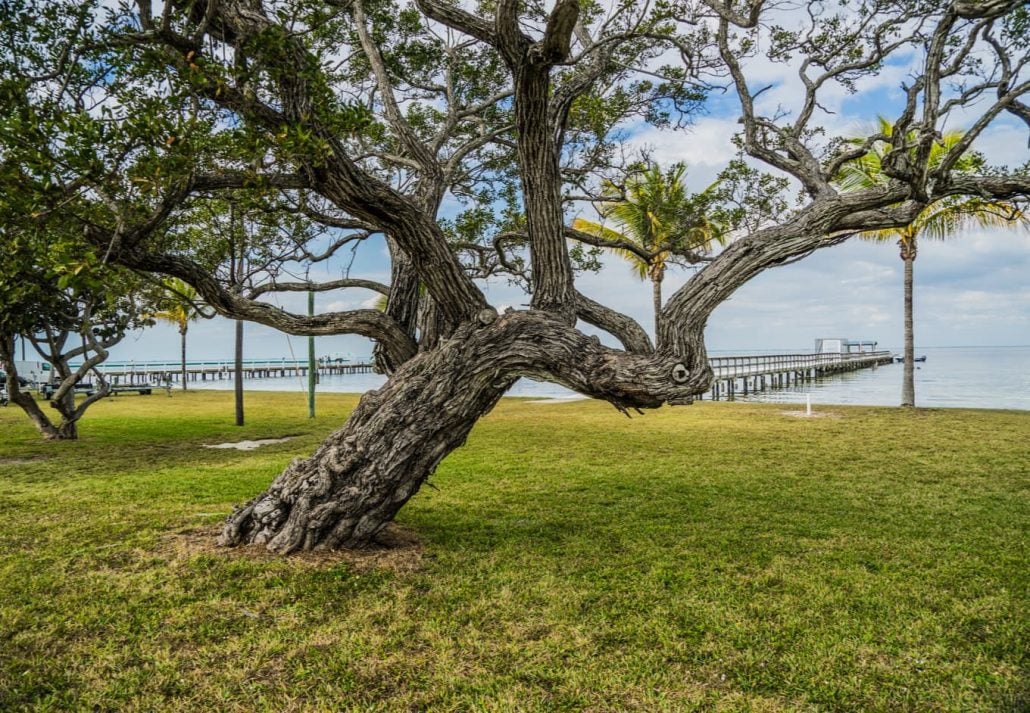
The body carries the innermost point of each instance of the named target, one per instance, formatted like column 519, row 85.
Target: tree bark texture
column 541, row 186
column 656, row 297
column 402, row 303
column 357, row 480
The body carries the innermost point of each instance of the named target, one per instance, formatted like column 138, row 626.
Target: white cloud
column 1003, row 143
column 707, row 142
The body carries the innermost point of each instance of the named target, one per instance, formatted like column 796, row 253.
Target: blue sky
column 971, row 290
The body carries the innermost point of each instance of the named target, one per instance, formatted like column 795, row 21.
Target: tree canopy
column 72, row 308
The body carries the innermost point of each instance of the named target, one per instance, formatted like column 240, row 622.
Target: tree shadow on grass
column 398, row 549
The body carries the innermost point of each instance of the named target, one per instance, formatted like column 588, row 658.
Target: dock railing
column 214, row 364
column 729, row 367
column 218, row 369
column 224, row 365
column 753, row 371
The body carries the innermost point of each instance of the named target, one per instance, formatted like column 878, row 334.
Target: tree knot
column 680, row 374
column 487, row 316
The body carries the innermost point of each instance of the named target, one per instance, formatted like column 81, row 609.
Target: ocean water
column 951, row 377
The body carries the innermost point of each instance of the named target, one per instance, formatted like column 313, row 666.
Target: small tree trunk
column 48, row 430
column 68, row 428
column 908, row 387
column 656, row 300
column 68, row 431
column 182, row 374
column 25, row 401
column 238, row 373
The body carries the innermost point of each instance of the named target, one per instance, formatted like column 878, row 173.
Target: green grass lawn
column 716, row 557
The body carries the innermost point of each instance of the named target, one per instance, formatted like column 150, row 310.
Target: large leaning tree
column 469, row 135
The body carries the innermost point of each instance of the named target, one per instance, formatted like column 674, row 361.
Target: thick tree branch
column 509, row 39
column 624, row 328
column 557, row 41
column 822, row 224
column 538, row 345
column 1015, row 187
column 367, row 322
column 454, row 17
column 274, row 286
column 228, row 180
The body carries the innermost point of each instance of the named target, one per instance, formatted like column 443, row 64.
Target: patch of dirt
column 814, row 414
column 397, row 549
column 249, row 445
column 21, row 461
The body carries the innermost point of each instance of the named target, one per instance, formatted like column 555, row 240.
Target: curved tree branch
column 454, row 17
column 318, row 286
column 622, row 327
column 367, row 322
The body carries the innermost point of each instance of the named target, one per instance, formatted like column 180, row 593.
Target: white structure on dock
column 839, row 345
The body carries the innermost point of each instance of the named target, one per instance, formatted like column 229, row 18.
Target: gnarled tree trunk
column 67, row 428
column 357, row 480
column 360, row 476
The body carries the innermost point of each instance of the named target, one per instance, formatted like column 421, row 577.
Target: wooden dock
column 129, row 373
column 733, row 375
column 741, row 375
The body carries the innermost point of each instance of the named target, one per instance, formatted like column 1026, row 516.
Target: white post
column 808, row 404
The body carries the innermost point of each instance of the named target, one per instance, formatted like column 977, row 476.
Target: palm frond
column 655, row 212
column 179, row 304
column 942, row 218
column 597, row 230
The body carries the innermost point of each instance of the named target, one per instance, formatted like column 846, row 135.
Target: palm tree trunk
column 657, row 275
column 908, row 387
column 182, row 372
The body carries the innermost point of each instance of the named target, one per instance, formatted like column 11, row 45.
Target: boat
column 901, row 360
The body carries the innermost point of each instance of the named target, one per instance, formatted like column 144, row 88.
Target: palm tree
column 938, row 221
column 656, row 214
column 180, row 308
